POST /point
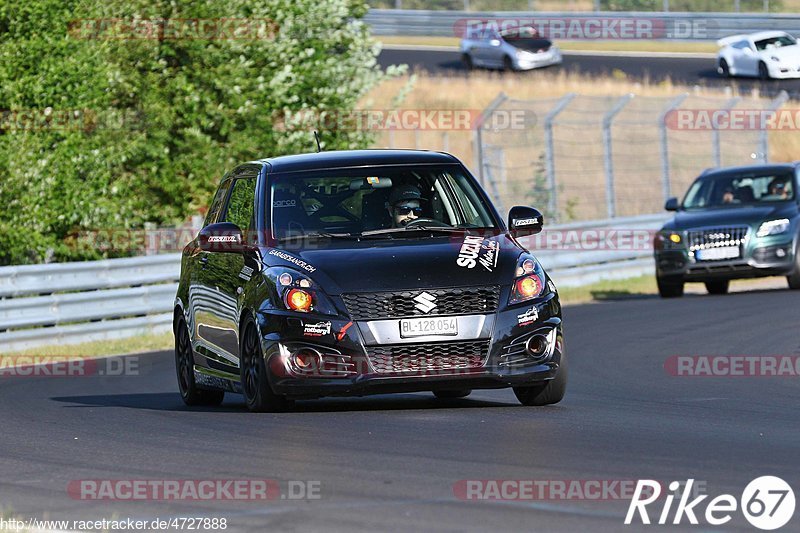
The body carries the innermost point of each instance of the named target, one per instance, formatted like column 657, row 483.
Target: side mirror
column 671, row 204
column 524, row 221
column 221, row 237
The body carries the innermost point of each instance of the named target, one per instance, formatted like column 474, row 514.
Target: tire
column 718, row 287
column 548, row 392
column 452, row 394
column 763, row 72
column 258, row 394
column 184, row 367
column 794, row 277
column 669, row 289
column 508, row 64
column 466, row 59
column 724, row 69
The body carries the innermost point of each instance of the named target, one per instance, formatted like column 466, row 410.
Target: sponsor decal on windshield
column 477, row 250
column 284, row 203
column 292, row 259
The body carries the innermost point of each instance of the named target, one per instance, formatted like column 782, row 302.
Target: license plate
column 419, row 327
column 710, row 254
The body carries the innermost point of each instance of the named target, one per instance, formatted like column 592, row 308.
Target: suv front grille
column 717, row 237
column 429, row 357
column 397, row 304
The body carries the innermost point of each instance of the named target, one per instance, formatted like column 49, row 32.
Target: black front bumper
column 762, row 261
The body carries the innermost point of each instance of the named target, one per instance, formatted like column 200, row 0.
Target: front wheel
column 794, row 277
column 258, row 394
column 718, row 287
column 669, row 288
column 548, row 392
column 763, row 72
column 466, row 59
column 508, row 63
column 184, row 365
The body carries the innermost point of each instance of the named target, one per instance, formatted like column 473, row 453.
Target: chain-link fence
column 592, row 157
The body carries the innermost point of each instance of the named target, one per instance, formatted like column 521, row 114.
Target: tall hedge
column 100, row 130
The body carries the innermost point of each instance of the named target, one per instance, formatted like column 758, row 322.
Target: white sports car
column 766, row 54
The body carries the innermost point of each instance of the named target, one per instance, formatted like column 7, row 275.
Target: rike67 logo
column 767, row 503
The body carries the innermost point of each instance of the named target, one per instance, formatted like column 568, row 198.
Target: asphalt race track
column 391, row 462
column 681, row 70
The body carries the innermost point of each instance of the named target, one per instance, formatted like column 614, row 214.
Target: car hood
column 342, row 266
column 730, row 216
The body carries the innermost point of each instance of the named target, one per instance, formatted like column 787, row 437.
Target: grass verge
column 88, row 350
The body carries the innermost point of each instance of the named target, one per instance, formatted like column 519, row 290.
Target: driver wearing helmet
column 404, row 205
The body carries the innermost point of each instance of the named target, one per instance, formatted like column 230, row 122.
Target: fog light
column 536, row 346
column 307, row 359
column 780, row 252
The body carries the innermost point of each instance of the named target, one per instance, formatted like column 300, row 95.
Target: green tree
column 105, row 132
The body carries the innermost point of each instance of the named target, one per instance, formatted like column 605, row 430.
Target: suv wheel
column 718, row 286
column 184, row 365
column 548, row 392
column 669, row 288
column 794, row 277
column 258, row 394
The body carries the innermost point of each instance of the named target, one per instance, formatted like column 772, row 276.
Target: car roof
column 747, row 169
column 355, row 158
column 758, row 36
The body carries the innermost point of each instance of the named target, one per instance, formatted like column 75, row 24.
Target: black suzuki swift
column 363, row 272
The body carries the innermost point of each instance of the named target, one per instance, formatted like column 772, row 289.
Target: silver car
column 511, row 49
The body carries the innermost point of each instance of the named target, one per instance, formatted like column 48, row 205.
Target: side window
column 240, row 204
column 216, row 203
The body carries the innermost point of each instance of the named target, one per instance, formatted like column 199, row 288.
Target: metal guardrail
column 674, row 26
column 67, row 303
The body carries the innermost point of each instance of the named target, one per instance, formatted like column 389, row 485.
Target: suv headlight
column 773, row 227
column 529, row 280
column 668, row 240
column 298, row 292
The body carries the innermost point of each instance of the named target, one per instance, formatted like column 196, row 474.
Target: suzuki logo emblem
column 425, row 302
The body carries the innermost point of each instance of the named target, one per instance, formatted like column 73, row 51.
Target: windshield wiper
column 320, row 235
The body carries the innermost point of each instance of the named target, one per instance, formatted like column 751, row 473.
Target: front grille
column 717, row 237
column 428, row 357
column 453, row 301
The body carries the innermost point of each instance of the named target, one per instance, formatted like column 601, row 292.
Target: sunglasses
column 405, row 209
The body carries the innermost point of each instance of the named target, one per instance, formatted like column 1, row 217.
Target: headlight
column 529, row 280
column 298, row 292
column 775, row 58
column 773, row 227
column 668, row 240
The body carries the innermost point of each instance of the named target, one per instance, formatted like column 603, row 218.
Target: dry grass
column 578, row 135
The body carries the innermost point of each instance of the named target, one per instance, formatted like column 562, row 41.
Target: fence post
column 763, row 144
column 549, row 153
column 662, row 123
column 499, row 99
column 611, row 201
column 715, row 137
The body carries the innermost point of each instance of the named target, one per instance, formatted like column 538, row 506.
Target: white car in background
column 512, row 49
column 766, row 55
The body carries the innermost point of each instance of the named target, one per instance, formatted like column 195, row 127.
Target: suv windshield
column 356, row 200
column 744, row 189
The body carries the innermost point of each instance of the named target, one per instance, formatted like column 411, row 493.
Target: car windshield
column 376, row 200
column 775, row 42
column 743, row 189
